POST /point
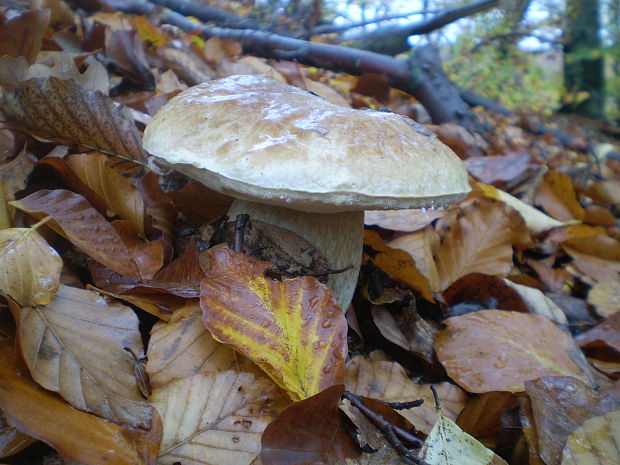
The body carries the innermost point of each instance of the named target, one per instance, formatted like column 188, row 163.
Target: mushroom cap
column 261, row 140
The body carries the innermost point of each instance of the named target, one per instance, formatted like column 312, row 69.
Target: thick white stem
column 339, row 237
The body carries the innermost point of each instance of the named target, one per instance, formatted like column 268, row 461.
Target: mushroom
column 295, row 160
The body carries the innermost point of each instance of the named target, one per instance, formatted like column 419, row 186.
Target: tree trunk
column 583, row 66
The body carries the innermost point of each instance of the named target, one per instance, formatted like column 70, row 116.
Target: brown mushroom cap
column 259, row 139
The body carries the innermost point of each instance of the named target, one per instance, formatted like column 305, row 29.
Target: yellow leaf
column 596, row 442
column 294, row 330
column 147, row 31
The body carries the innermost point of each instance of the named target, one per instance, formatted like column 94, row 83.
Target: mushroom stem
column 338, row 237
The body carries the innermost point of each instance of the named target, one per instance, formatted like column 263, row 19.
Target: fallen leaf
column 495, row 350
column 84, row 227
column 538, row 303
column 183, row 347
column 22, row 35
column 597, row 215
column 556, row 195
column 447, row 444
column 125, row 50
column 31, row 268
column 605, row 192
column 605, row 335
column 477, row 291
column 387, row 381
column 407, row 329
column 421, row 245
column 66, row 112
column 482, row 416
column 459, row 139
column 309, row 431
column 480, row 240
column 118, row 192
column 536, row 221
column 604, row 296
column 498, row 168
column 597, row 268
column 76, row 435
column 396, row 263
column 199, row 203
column 293, row 329
column 75, row 346
column 213, row 418
column 560, row 405
column 594, row 442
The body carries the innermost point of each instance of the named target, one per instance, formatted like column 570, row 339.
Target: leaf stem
column 40, row 223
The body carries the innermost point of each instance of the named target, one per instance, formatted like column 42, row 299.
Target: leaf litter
column 539, row 238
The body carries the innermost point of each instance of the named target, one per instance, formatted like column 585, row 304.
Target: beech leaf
column 76, row 435
column 83, row 226
column 387, row 381
column 595, row 442
column 12, row 440
column 30, row 267
column 293, row 329
column 480, row 240
column 75, row 346
column 183, row 347
column 118, row 192
column 447, row 444
column 213, row 418
column 65, row 112
column 494, row 350
column 309, row 431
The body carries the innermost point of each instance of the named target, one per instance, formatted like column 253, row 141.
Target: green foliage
column 514, row 78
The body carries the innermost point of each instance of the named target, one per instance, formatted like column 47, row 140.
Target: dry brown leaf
column 66, row 112
column 605, row 297
column 183, row 347
column 30, row 267
column 125, row 50
column 560, row 405
column 186, row 64
column 23, row 34
column 76, row 435
column 605, row 335
column 199, row 203
column 396, row 263
column 597, row 268
column 498, row 168
column 309, row 431
column 595, row 442
column 482, row 417
column 408, row 330
column 213, row 418
column 421, row 245
column 597, row 215
column 118, row 192
column 76, row 346
column 480, row 240
column 387, row 381
column 83, row 226
column 494, row 350
column 477, row 291
column 605, row 192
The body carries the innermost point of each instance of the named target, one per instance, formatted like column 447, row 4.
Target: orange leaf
column 494, row 350
column 294, row 329
column 397, row 263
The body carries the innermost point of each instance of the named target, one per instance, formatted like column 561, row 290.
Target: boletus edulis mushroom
column 297, row 161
